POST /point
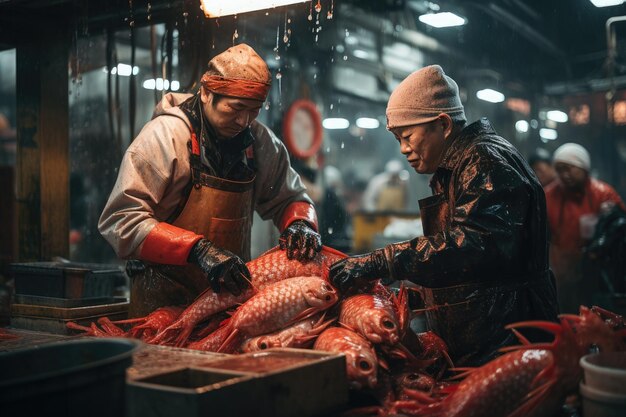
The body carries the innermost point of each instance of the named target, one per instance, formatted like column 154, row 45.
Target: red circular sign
column 302, row 129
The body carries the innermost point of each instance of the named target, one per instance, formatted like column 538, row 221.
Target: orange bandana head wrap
column 235, row 87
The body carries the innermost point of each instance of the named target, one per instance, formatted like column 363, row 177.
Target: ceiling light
column 123, row 70
column 521, row 126
column 336, row 123
column 490, row 95
column 217, row 8
column 367, row 123
column 548, row 134
column 359, row 53
column 606, row 3
column 442, row 20
column 160, row 84
column 557, row 116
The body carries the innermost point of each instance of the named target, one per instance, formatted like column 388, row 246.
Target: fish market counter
column 116, row 376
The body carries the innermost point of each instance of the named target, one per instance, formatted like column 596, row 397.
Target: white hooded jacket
column 155, row 171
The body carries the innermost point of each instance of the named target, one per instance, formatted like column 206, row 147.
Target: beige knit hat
column 240, row 62
column 423, row 96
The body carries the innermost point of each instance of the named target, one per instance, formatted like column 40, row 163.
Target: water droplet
column 314, row 76
column 328, row 149
column 285, row 38
column 329, row 16
column 345, row 57
column 279, row 75
column 331, row 106
column 316, row 38
column 288, row 20
column 347, row 33
column 343, row 145
column 318, row 6
column 310, row 17
column 330, row 230
column 185, row 14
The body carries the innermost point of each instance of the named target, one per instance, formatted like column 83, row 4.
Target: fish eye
column 388, row 324
column 412, row 377
column 263, row 345
column 328, row 298
column 364, row 365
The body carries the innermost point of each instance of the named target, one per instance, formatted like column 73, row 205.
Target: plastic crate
column 65, row 280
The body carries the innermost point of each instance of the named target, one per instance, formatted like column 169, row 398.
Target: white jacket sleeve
column 149, row 186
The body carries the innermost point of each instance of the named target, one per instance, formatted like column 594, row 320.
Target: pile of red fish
column 291, row 304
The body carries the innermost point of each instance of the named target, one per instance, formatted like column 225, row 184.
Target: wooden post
column 43, row 146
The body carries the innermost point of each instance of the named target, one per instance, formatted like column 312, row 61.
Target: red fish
column 299, row 335
column 372, row 316
column 532, row 379
column 270, row 267
column 279, row 305
column 147, row 327
column 361, row 360
column 211, row 342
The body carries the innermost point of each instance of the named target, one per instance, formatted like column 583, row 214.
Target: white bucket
column 602, row 404
column 605, row 371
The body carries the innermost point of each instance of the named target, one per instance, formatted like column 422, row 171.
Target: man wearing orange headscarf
column 189, row 183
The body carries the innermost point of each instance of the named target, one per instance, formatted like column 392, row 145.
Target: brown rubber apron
column 466, row 316
column 216, row 208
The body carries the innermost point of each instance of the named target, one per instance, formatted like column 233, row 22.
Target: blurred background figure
column 541, row 162
column 333, row 217
column 388, row 190
column 327, row 195
column 574, row 203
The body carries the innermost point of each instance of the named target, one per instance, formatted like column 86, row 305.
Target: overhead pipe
column 611, row 47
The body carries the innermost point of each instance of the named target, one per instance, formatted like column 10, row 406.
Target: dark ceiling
column 543, row 41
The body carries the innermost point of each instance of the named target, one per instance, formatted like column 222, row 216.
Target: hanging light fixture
column 218, row 8
column 607, row 3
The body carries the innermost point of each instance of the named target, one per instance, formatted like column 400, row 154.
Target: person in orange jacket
column 573, row 202
column 189, row 183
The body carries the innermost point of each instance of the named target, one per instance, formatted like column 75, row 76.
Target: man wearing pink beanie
column 483, row 260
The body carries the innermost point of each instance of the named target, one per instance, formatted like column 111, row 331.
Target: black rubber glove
column 301, row 241
column 349, row 271
column 223, row 268
column 134, row 267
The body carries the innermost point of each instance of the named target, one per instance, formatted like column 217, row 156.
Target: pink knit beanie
column 423, row 96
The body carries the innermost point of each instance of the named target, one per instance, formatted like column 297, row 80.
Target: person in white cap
column 190, row 181
column 574, row 203
column 483, row 260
